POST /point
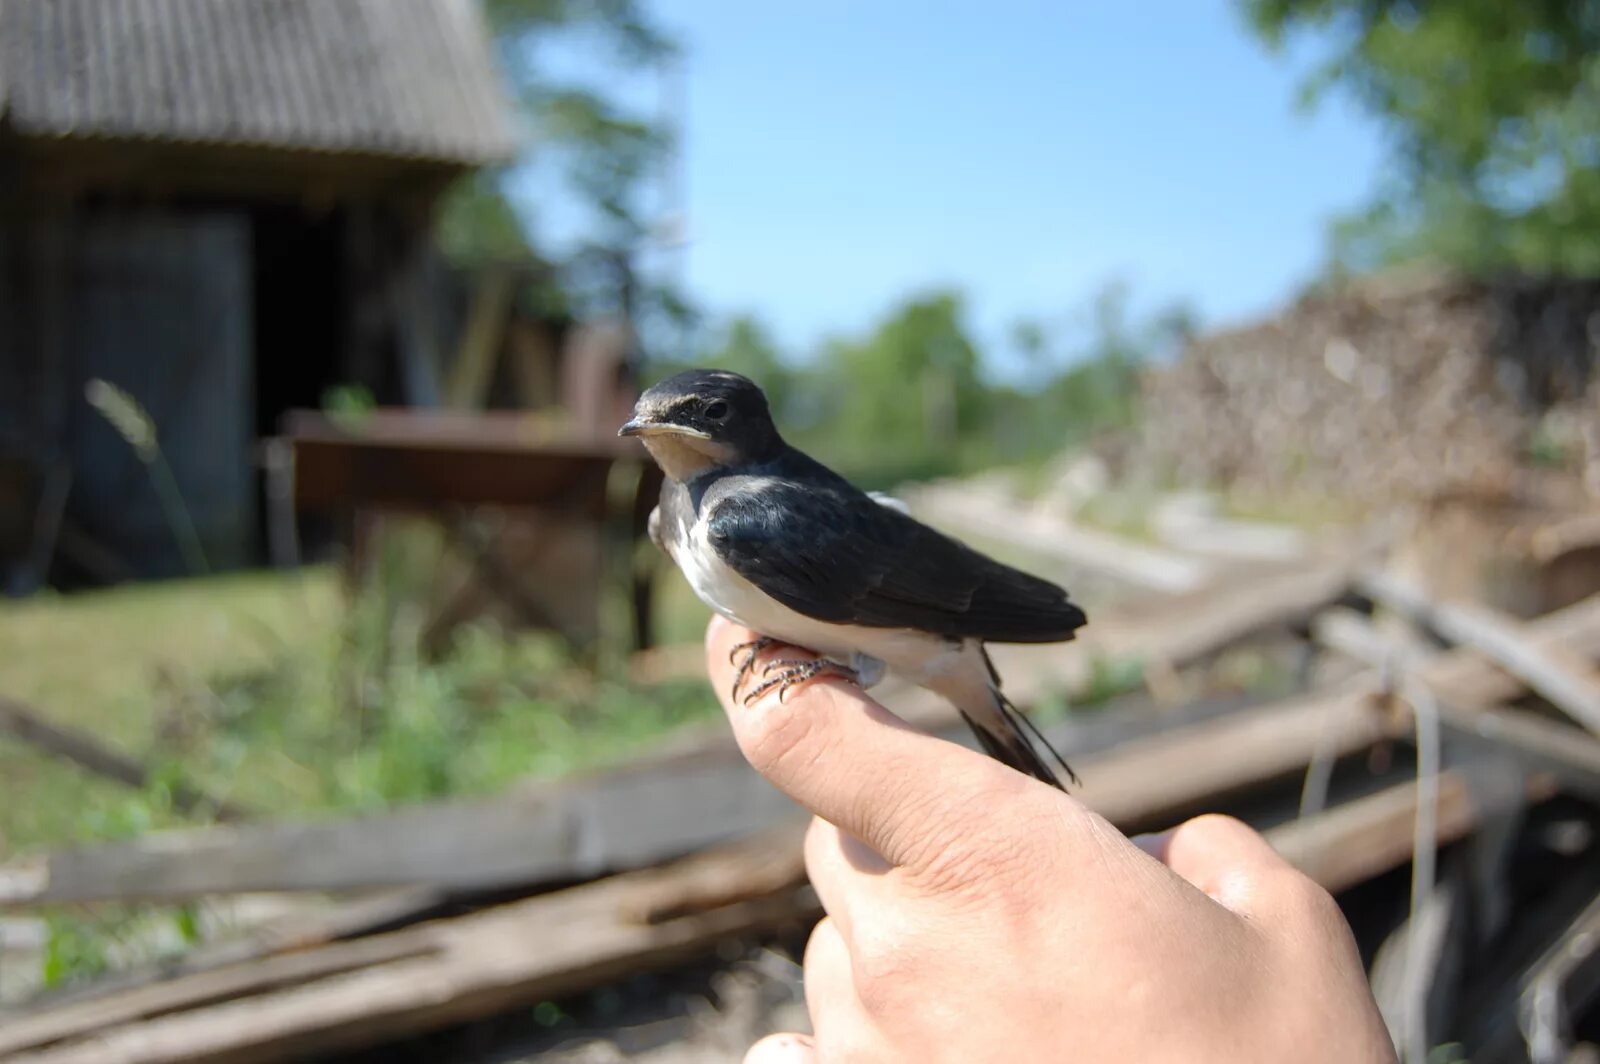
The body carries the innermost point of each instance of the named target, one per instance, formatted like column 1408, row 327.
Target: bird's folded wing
column 840, row 557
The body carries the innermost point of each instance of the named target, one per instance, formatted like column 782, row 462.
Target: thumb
column 782, row 1049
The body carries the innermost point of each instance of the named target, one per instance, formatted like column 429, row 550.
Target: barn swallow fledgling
column 777, row 542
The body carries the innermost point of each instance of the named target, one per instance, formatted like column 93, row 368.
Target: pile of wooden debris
column 1387, row 390
column 1434, row 763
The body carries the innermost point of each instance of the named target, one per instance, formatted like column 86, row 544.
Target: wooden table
column 443, row 464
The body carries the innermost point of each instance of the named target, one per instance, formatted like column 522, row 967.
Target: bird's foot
column 747, row 663
column 786, row 674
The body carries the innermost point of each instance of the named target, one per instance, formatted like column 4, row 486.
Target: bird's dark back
column 810, row 538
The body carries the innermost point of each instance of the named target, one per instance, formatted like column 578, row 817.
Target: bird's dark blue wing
column 831, row 553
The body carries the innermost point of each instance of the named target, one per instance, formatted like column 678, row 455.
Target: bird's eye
column 716, row 410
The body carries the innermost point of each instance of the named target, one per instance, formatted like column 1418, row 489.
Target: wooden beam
column 1169, row 633
column 1541, row 744
column 1188, row 521
column 1351, row 843
column 531, row 835
column 26, row 724
column 386, row 986
column 1173, row 771
column 292, row 932
column 991, row 515
column 1571, row 689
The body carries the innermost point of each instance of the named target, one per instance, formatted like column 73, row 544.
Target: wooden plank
column 1168, row 634
column 989, row 514
column 1352, row 843
column 437, row 973
column 1571, row 756
column 450, row 971
column 1541, row 744
column 368, row 915
column 1174, row 770
column 1188, row 521
column 26, row 724
column 1147, row 783
column 1572, row 690
column 29, row 726
column 534, row 835
column 333, row 474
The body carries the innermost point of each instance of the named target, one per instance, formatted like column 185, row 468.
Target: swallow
column 777, row 542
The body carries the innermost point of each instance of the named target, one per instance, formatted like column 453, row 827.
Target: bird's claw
column 751, row 650
column 792, row 672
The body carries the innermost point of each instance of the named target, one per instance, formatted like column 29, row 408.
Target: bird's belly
column 731, row 595
column 911, row 654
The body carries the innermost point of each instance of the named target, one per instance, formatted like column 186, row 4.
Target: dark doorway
column 299, row 299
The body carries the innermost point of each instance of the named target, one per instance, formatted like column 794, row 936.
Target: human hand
column 976, row 914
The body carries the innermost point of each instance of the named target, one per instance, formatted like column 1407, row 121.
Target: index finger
column 850, row 761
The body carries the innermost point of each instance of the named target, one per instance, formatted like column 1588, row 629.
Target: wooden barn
column 222, row 207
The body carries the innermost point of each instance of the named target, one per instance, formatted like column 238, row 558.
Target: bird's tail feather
column 1011, row 738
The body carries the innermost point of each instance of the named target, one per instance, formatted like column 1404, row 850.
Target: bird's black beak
column 639, row 426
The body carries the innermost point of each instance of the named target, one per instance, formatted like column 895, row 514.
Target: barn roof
column 402, row 78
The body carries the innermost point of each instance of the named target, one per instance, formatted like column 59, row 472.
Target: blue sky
column 840, row 155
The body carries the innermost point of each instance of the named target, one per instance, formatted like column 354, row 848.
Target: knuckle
column 1208, row 822
column 1305, row 901
column 1216, row 826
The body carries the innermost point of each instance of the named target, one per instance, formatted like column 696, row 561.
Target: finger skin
column 846, row 874
column 853, row 763
column 1221, row 856
column 841, row 1025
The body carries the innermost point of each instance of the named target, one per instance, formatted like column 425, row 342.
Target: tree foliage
column 607, row 151
column 911, row 397
column 907, row 389
column 1493, row 107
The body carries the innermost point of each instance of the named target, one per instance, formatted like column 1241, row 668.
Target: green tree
column 910, row 400
column 1493, row 107
column 607, row 152
column 899, row 402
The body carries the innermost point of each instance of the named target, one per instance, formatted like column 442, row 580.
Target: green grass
column 123, row 665
column 271, row 691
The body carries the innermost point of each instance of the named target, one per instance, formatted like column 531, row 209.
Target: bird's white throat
column 685, row 457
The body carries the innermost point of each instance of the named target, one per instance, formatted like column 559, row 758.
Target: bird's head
column 703, row 419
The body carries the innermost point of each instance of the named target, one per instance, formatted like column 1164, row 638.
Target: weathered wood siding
column 160, row 305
